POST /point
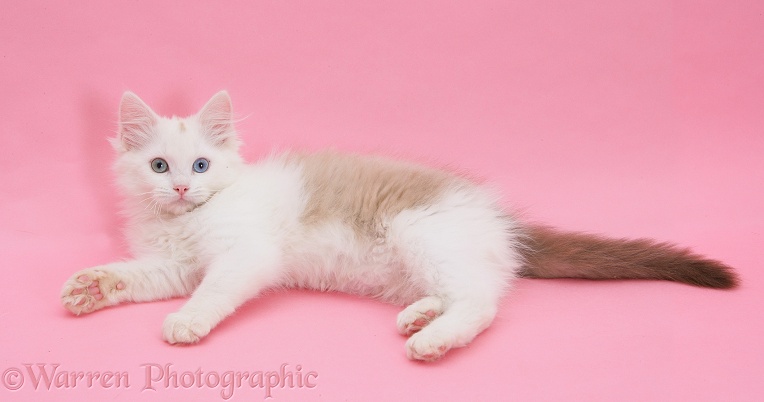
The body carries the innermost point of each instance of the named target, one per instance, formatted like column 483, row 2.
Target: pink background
column 631, row 118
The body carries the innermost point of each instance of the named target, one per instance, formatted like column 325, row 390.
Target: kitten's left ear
column 216, row 118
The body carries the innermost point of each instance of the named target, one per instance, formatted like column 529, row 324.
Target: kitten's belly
column 333, row 259
column 377, row 281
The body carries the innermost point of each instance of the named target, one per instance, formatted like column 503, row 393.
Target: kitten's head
column 173, row 165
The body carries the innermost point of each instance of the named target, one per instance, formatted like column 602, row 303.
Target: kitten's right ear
column 136, row 123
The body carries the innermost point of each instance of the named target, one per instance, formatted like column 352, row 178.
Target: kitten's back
column 362, row 191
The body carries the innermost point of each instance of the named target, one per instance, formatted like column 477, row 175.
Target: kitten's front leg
column 230, row 281
column 137, row 280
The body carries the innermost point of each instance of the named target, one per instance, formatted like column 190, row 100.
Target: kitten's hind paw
column 90, row 290
column 416, row 316
column 427, row 346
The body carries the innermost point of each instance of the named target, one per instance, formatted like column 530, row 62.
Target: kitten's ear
column 216, row 118
column 136, row 123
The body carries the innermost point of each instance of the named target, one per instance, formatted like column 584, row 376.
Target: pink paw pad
column 420, row 322
column 419, row 315
column 85, row 295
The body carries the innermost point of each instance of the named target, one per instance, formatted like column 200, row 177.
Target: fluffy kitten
column 205, row 224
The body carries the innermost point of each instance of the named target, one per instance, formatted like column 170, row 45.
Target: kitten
column 204, row 224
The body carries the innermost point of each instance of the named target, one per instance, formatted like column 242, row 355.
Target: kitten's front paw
column 184, row 328
column 90, row 290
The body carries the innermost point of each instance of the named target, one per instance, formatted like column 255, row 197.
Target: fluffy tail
column 550, row 253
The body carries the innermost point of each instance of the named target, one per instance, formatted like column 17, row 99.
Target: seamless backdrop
column 619, row 117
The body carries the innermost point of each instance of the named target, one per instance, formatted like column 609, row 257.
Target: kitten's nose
column 181, row 190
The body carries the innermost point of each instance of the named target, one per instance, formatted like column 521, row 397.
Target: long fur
column 554, row 254
column 439, row 244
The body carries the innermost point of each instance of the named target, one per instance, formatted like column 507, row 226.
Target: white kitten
column 204, row 223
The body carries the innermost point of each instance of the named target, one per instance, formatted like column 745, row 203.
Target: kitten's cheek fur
column 90, row 290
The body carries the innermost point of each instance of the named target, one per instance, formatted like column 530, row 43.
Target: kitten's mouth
column 179, row 206
column 182, row 205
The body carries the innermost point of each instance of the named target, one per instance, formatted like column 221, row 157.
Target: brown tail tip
column 711, row 274
column 553, row 254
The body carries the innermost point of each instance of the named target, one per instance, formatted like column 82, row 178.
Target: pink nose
column 181, row 190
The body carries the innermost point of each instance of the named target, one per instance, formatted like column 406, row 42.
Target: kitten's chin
column 180, row 207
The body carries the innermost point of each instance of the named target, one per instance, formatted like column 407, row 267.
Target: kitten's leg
column 461, row 251
column 416, row 316
column 470, row 289
column 135, row 281
column 459, row 324
column 231, row 280
column 465, row 293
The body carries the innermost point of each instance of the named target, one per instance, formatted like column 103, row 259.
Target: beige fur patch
column 364, row 192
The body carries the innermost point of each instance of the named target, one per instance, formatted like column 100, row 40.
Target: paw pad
column 418, row 315
column 84, row 292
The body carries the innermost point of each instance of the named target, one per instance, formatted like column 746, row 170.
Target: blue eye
column 201, row 165
column 159, row 165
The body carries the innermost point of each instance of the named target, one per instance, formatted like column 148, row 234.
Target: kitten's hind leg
column 459, row 324
column 460, row 250
column 417, row 315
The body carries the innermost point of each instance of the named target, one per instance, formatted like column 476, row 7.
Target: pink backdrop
column 632, row 118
